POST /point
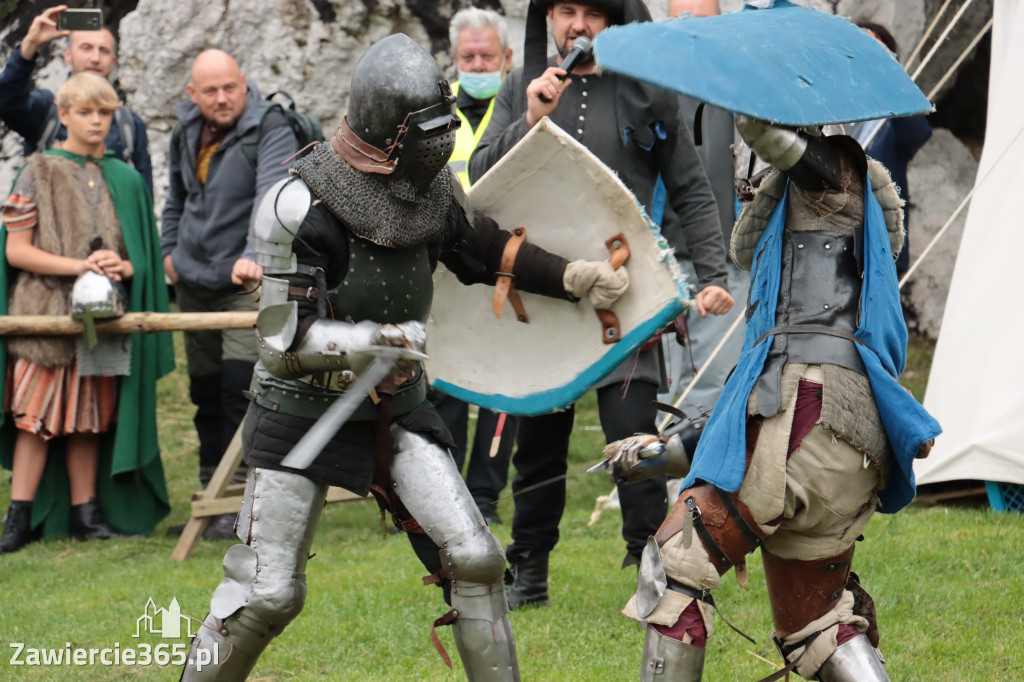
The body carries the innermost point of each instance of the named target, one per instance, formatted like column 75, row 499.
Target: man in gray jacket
column 214, row 188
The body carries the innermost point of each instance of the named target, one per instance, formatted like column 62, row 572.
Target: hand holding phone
column 80, row 20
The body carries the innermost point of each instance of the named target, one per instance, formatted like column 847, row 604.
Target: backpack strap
column 49, row 134
column 251, row 140
column 125, row 122
column 179, row 140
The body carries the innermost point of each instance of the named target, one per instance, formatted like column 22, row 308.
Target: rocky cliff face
column 308, row 48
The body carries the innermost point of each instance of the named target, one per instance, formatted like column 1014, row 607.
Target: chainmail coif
column 384, row 210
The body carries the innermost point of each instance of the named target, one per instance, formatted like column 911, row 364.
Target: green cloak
column 130, row 482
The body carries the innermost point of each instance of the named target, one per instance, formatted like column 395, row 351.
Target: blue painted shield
column 570, row 204
column 786, row 64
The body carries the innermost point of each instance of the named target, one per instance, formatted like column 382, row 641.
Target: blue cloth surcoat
column 720, row 458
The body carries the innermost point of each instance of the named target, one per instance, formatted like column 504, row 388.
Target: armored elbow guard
column 807, row 158
column 281, row 211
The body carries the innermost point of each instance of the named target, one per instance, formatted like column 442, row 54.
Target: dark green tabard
column 384, row 285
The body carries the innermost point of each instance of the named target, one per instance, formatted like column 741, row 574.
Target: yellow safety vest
column 466, row 140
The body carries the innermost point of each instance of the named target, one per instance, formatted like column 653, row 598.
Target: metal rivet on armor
column 583, row 106
column 224, row 631
column 371, row 257
column 579, row 130
column 799, row 246
column 583, row 118
column 828, row 246
column 584, row 93
column 826, row 306
column 584, row 79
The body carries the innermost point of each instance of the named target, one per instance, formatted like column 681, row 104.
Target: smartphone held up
column 80, row 20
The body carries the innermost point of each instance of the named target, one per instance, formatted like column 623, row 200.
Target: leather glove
column 645, row 456
column 596, row 279
column 412, row 334
column 365, row 335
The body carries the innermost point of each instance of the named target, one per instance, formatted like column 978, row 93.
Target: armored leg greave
column 727, row 531
column 669, row 659
column 264, row 584
column 431, row 489
column 854, row 661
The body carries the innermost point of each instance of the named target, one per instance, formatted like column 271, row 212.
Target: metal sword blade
column 311, row 444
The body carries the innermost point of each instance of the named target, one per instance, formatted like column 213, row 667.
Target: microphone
column 581, row 50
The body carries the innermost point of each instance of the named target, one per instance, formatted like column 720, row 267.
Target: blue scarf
column 721, row 454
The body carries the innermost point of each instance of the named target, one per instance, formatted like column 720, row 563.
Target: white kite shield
column 570, row 204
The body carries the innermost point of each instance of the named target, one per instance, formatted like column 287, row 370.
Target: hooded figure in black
column 638, row 132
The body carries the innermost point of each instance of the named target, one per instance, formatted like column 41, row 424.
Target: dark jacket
column 894, row 146
column 655, row 143
column 207, row 228
column 591, row 119
column 25, row 111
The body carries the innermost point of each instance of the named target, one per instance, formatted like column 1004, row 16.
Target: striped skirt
column 56, row 401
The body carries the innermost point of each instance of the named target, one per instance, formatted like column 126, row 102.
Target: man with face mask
column 479, row 40
column 348, row 244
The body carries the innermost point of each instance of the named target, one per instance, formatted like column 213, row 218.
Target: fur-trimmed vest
column 65, row 227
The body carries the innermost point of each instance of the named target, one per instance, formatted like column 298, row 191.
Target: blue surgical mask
column 480, row 85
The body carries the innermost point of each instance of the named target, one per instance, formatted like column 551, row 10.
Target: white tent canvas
column 976, row 385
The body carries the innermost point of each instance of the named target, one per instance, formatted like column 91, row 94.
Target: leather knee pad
column 724, row 525
column 800, row 592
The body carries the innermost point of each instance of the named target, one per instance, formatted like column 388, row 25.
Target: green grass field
column 947, row 582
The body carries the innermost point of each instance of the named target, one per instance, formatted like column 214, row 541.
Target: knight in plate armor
column 812, row 434
column 348, row 244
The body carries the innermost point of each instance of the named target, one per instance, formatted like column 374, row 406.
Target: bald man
column 698, row 8
column 33, row 113
column 206, row 243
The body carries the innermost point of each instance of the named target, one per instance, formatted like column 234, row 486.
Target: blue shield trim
column 786, row 64
column 570, row 204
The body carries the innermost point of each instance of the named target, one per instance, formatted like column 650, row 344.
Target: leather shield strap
column 504, row 287
column 619, row 250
